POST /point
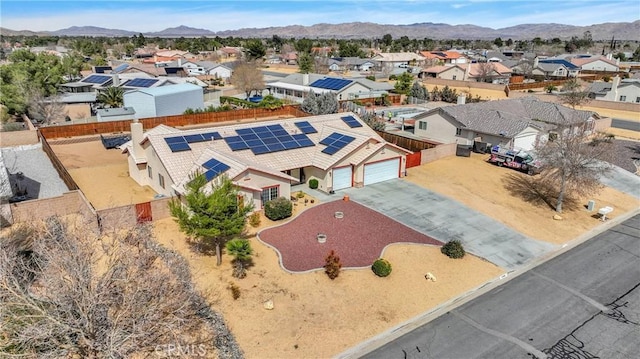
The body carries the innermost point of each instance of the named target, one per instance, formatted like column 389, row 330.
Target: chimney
column 180, row 62
column 305, row 79
column 609, row 56
column 467, row 71
column 136, row 138
column 462, row 99
column 536, row 62
column 116, row 80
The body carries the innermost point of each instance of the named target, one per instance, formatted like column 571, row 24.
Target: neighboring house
column 554, row 67
column 175, row 54
column 164, row 100
column 445, row 57
column 344, row 64
column 596, row 63
column 265, row 159
column 228, row 52
column 290, row 58
column 627, row 90
column 455, row 72
column 115, row 114
column 296, row 87
column 495, row 56
column 493, row 72
column 78, row 105
column 513, row 123
column 388, row 60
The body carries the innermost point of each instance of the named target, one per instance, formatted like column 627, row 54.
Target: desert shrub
column 332, row 265
column 300, row 194
column 393, row 77
column 453, row 249
column 371, row 78
column 313, row 183
column 278, row 208
column 381, row 267
column 254, row 219
column 235, row 290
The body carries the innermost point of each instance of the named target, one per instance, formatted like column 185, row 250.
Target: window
column 269, row 194
column 454, row 77
column 422, row 125
column 458, row 131
column 637, row 99
column 623, row 98
column 161, row 180
column 149, row 172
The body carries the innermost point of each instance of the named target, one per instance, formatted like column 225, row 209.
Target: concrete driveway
column 445, row 219
column 623, row 181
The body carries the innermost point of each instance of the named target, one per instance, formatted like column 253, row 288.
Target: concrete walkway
column 444, row 219
column 622, row 180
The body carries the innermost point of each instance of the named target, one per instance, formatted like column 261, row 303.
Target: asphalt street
column 584, row 303
column 625, row 124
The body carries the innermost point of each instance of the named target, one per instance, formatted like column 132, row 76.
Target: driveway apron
column 444, row 219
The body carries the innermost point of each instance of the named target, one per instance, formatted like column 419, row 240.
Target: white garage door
column 381, row 171
column 525, row 142
column 341, row 178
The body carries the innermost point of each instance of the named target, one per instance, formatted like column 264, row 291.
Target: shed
column 165, row 100
column 115, row 114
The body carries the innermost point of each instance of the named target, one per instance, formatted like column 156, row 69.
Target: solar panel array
column 214, row 168
column 305, row 127
column 351, row 121
column 330, row 83
column 335, row 142
column 141, row 82
column 97, row 79
column 181, row 143
column 267, row 139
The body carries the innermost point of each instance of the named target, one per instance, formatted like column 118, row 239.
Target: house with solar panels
column 265, row 159
column 296, row 87
column 164, row 100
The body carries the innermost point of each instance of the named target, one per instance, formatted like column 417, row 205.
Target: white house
column 164, row 100
column 627, row 90
column 514, row 123
column 597, row 63
column 265, row 159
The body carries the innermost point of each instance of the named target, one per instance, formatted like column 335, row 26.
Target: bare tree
column 526, row 68
column 573, row 95
column 247, row 77
column 572, row 162
column 45, row 109
column 66, row 292
column 486, row 72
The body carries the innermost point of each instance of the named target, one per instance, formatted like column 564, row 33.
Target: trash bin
column 591, row 205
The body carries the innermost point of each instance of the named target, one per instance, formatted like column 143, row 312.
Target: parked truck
column 520, row 160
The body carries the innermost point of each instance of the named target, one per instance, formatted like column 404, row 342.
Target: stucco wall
column 438, row 129
column 438, row 152
column 72, row 202
column 18, row 138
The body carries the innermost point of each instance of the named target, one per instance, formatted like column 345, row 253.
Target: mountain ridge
column 369, row 30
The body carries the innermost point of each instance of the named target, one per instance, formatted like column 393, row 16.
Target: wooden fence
column 535, row 85
column 96, row 128
column 410, row 144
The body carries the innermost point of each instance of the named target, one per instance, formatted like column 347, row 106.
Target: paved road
column 625, row 124
column 445, row 219
column 582, row 304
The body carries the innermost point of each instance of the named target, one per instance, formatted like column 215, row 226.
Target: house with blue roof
column 554, row 68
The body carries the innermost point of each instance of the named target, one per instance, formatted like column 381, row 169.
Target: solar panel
column 214, row 168
column 97, row 79
column 305, row 127
column 331, row 83
column 330, row 150
column 179, row 147
column 211, row 135
column 170, row 140
column 258, row 150
column 351, row 121
column 120, row 68
column 141, row 82
column 244, row 131
column 194, row 138
column 335, row 142
column 266, row 139
column 330, row 139
column 305, row 142
column 275, row 147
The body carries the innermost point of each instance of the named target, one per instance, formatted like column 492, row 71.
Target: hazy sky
column 214, row 15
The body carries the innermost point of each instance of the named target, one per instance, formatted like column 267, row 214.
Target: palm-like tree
column 111, row 97
column 241, row 251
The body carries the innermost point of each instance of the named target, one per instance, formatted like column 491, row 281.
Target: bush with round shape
column 313, row 183
column 381, row 267
column 453, row 249
column 278, row 208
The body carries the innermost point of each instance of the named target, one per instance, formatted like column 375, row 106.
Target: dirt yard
column 496, row 192
column 314, row 317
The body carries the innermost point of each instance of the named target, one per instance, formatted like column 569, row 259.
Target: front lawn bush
column 313, row 183
column 381, row 267
column 453, row 249
column 332, row 265
column 278, row 208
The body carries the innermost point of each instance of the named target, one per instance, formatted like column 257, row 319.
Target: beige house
column 265, row 159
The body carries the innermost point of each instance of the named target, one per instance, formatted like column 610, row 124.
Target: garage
column 381, row 171
column 342, row 178
column 525, row 140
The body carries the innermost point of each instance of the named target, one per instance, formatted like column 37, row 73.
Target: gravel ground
column 41, row 179
column 626, row 152
column 358, row 238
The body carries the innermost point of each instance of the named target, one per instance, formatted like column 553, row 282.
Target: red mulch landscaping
column 358, row 238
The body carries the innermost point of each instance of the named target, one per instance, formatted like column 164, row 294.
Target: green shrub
column 371, row 78
column 300, row 194
column 278, row 208
column 313, row 183
column 453, row 249
column 381, row 267
column 254, row 219
column 332, row 265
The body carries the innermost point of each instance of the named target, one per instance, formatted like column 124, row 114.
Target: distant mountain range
column 367, row 30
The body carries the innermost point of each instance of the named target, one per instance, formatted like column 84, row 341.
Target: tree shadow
column 536, row 190
column 636, row 151
column 202, row 247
